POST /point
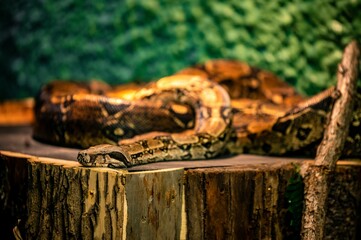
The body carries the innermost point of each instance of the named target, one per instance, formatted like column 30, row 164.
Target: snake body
column 200, row 112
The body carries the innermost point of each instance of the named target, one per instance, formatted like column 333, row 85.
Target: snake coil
column 199, row 113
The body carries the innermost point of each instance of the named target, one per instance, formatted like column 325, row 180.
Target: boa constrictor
column 199, row 113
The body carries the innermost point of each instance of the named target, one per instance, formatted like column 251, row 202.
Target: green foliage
column 121, row 41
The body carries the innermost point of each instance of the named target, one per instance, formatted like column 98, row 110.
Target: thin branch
column 317, row 177
column 335, row 135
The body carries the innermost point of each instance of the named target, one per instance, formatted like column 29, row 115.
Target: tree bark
column 238, row 202
column 317, row 177
column 45, row 198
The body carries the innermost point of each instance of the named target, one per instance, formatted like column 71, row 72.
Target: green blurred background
column 121, row 41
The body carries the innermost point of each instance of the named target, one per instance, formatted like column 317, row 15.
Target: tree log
column 253, row 202
column 317, row 177
column 239, row 202
column 57, row 199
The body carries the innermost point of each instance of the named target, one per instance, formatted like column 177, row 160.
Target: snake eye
column 303, row 133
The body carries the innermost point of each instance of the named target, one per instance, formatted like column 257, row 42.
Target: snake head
column 103, row 156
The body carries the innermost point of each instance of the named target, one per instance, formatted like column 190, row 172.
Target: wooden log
column 154, row 202
column 58, row 199
column 253, row 202
column 343, row 213
column 236, row 202
column 62, row 200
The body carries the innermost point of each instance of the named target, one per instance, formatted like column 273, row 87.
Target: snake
column 217, row 108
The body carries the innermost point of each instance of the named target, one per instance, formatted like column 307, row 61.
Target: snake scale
column 204, row 111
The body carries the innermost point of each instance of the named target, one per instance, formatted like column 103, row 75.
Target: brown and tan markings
column 201, row 112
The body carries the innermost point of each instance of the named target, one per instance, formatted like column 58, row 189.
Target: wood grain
column 63, row 200
column 247, row 201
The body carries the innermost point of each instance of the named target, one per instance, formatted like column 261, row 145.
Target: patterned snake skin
column 201, row 112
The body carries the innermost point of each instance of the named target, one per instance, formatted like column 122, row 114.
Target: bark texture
column 62, row 200
column 238, row 202
column 317, row 177
column 73, row 203
column 343, row 214
column 154, row 203
column 56, row 199
column 253, row 202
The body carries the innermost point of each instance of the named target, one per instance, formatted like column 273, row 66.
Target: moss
column 301, row 41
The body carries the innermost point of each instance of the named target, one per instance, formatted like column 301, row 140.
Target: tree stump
column 62, row 200
column 58, row 199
